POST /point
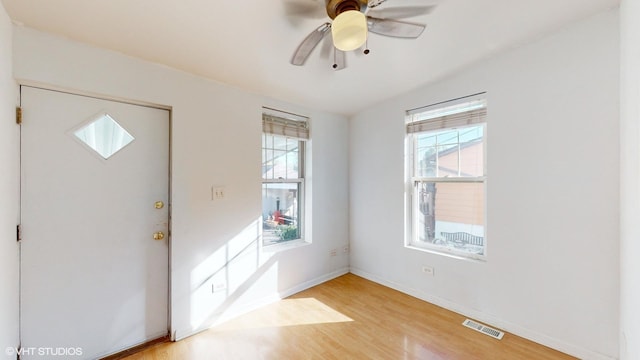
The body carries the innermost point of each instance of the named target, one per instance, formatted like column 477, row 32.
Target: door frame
column 38, row 85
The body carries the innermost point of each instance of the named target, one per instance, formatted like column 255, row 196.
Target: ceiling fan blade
column 339, row 60
column 309, row 43
column 394, row 28
column 374, row 3
column 401, row 12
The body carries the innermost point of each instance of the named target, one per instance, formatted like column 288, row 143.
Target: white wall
column 216, row 141
column 9, row 179
column 630, row 180
column 552, row 199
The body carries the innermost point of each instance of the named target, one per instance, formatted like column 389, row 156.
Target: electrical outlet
column 217, row 287
column 333, row 252
column 428, row 270
column 345, row 249
column 217, row 192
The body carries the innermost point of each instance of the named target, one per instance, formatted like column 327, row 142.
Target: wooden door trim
column 136, row 349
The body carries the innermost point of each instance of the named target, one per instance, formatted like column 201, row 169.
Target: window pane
column 292, row 144
column 281, row 157
column 450, row 153
column 267, row 163
column 472, row 151
column 104, row 135
column 426, row 161
column 267, row 166
column 450, row 215
column 427, row 139
column 447, row 137
column 280, row 212
column 448, row 161
column 279, row 142
column 279, row 164
column 293, row 159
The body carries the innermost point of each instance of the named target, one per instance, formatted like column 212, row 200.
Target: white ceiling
column 248, row 44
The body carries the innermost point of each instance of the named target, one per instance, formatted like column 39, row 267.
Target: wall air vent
column 496, row 334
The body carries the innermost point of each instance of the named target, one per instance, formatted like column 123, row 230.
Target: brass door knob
column 158, row 236
column 159, row 205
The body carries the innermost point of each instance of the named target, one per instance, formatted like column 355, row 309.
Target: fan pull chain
column 366, row 47
column 335, row 62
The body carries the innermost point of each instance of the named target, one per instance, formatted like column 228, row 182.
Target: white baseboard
column 235, row 312
column 491, row 320
column 311, row 283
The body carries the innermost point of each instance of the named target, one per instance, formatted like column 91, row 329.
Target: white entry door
column 95, row 222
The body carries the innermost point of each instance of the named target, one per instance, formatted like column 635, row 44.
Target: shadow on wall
column 227, row 277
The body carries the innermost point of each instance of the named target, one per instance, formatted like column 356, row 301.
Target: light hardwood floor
column 348, row 318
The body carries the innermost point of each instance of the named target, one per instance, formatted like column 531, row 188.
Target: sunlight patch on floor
column 287, row 312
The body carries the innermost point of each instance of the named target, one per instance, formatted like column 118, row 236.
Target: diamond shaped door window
column 104, row 135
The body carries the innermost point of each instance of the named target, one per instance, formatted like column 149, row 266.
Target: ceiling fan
column 352, row 21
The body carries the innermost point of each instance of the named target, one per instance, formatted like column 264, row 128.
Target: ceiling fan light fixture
column 349, row 30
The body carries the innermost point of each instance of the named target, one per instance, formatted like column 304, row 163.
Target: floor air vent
column 496, row 334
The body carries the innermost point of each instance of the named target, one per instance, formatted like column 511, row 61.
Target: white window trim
column 410, row 186
column 304, row 197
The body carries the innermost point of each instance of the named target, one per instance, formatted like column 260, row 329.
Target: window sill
column 293, row 244
column 450, row 254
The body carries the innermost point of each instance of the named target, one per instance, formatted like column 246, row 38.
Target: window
column 104, row 135
column 283, row 166
column 446, row 178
